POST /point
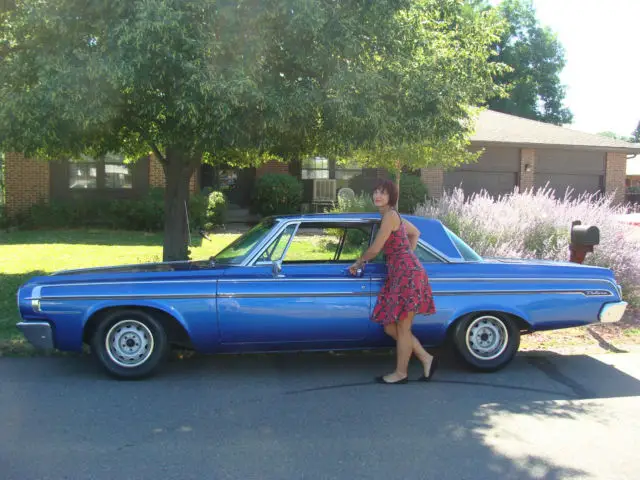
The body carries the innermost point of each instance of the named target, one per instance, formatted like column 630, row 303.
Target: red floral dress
column 406, row 288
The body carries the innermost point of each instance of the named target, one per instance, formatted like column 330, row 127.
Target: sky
column 601, row 40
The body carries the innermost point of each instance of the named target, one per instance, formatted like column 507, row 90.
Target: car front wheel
column 486, row 342
column 130, row 344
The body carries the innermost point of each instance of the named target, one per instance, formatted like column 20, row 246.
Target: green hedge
column 146, row 213
column 277, row 194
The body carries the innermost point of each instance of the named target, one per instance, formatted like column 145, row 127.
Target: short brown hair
column 389, row 188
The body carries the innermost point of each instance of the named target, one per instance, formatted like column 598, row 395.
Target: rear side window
column 465, row 250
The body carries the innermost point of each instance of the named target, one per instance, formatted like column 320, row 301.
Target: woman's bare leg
column 417, row 349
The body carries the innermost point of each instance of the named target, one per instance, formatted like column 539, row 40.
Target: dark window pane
column 117, row 176
column 83, row 175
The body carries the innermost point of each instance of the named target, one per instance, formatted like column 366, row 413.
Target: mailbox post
column 583, row 239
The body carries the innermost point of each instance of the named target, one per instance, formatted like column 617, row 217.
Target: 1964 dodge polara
column 284, row 286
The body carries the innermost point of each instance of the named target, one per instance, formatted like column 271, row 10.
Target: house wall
column 157, row 179
column 26, row 182
column 272, row 166
column 616, row 172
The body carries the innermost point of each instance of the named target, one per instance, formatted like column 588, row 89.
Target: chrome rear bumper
column 39, row 334
column 612, row 312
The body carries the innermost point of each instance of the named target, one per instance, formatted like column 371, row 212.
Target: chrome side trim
column 293, row 294
column 310, row 294
column 128, row 296
column 516, row 292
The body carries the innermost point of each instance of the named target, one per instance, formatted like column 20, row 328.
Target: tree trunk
column 177, row 171
column 398, row 174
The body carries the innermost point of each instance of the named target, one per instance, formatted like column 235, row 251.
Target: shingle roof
column 495, row 127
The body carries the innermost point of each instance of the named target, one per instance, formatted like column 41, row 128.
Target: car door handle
column 359, row 272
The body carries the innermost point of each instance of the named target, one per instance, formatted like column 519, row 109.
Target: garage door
column 579, row 171
column 495, row 183
column 496, row 172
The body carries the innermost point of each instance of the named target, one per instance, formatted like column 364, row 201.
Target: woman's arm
column 390, row 221
column 413, row 233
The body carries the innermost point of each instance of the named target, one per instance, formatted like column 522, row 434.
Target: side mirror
column 276, row 268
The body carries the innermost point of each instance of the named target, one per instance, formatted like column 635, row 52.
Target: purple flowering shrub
column 537, row 223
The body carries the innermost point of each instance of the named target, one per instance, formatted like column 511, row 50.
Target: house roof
column 500, row 128
column 633, row 166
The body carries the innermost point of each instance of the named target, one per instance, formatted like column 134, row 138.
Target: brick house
column 518, row 153
column 633, row 172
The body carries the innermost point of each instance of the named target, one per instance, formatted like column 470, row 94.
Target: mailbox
column 585, row 235
column 583, row 239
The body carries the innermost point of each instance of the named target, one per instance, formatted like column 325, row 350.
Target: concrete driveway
column 320, row 416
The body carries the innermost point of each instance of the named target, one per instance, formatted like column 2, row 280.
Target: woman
column 406, row 290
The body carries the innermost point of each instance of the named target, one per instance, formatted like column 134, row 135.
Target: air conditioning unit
column 324, row 190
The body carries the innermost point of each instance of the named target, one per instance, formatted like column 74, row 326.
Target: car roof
column 432, row 230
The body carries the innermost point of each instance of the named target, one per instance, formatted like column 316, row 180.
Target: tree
column 239, row 81
column 615, row 136
column 536, row 59
column 635, row 135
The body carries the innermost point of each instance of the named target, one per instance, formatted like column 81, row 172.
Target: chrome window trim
column 251, row 259
column 286, row 248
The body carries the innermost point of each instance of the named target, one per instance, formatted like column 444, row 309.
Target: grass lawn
column 24, row 254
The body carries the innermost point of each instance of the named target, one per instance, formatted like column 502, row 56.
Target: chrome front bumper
column 612, row 312
column 39, row 334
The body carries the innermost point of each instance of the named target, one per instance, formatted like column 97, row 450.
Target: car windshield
column 236, row 252
column 465, row 250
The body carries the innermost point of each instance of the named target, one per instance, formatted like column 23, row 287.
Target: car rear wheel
column 130, row 344
column 486, row 342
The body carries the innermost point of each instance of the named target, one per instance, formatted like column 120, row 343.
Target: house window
column 320, row 167
column 347, row 171
column 116, row 173
column 83, row 175
column 108, row 172
column 317, row 167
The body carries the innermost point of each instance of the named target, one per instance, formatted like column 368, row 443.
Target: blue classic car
column 284, row 286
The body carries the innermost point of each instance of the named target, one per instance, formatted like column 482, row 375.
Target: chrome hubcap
column 129, row 343
column 487, row 337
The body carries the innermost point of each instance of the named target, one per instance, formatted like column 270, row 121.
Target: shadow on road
column 319, row 410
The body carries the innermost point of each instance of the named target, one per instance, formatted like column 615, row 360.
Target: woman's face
column 380, row 198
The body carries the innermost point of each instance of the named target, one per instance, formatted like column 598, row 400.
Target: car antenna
column 186, row 211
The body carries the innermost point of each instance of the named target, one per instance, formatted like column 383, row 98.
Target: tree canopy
column 536, row 59
column 242, row 80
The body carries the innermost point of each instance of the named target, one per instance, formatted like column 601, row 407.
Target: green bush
column 146, row 213
column 362, row 202
column 277, row 194
column 216, row 209
column 412, row 193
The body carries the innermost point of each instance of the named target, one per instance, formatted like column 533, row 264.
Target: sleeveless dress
column 406, row 287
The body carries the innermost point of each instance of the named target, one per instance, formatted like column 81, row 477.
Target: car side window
column 425, row 256
column 320, row 243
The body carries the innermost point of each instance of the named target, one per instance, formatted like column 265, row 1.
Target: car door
column 429, row 329
column 310, row 299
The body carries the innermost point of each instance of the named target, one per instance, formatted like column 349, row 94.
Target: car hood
column 135, row 272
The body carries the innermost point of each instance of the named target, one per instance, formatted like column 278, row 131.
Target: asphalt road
column 319, row 416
